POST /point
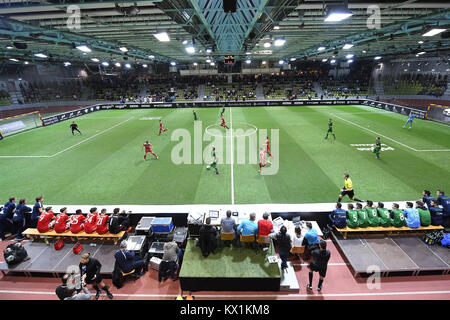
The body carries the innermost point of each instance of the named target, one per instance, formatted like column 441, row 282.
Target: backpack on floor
column 446, row 240
column 433, row 237
column 15, row 253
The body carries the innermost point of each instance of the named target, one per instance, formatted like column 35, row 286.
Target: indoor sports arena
column 229, row 150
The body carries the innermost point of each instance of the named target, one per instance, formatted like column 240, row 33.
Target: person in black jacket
column 207, row 239
column 284, row 246
column 319, row 264
column 63, row 291
column 118, row 223
column 90, row 274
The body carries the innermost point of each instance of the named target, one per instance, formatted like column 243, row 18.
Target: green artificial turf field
column 228, row 262
column 105, row 165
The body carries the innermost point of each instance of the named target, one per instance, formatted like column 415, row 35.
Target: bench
column 34, row 233
column 389, row 231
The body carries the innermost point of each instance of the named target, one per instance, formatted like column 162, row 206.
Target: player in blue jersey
column 410, row 120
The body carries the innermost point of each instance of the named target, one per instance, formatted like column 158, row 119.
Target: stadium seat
column 226, row 236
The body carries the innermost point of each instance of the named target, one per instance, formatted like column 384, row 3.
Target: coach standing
column 319, row 264
column 90, row 274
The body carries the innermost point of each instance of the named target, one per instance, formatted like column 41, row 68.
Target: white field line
column 232, row 157
column 386, row 137
column 256, row 296
column 73, row 146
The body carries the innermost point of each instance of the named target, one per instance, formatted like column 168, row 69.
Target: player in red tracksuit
column 61, row 219
column 102, row 222
column 148, row 148
column 90, row 224
column 268, row 147
column 45, row 221
column 76, row 222
column 223, row 123
column 161, row 127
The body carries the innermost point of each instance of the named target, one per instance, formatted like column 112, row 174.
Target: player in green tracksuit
column 377, row 148
column 372, row 214
column 398, row 219
column 384, row 215
column 424, row 213
column 216, row 159
column 352, row 217
column 195, row 115
column 362, row 216
column 223, row 111
column 330, row 129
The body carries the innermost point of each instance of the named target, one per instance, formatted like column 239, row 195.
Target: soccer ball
column 208, row 167
column 372, row 149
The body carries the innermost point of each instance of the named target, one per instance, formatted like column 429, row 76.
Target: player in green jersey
column 398, row 220
column 372, row 214
column 352, row 217
column 377, row 148
column 215, row 160
column 362, row 216
column 195, row 115
column 330, row 129
column 384, row 215
column 222, row 112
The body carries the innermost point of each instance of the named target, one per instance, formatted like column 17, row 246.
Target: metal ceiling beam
column 199, row 14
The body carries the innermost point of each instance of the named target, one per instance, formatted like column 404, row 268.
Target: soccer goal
column 21, row 122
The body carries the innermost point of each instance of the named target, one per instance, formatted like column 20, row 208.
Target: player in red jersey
column 102, row 222
column 268, row 147
column 76, row 222
column 45, row 221
column 90, row 224
column 161, row 128
column 148, row 148
column 61, row 220
column 223, row 123
column 262, row 159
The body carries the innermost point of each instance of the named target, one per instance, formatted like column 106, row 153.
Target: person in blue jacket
column 412, row 216
column 338, row 216
column 437, row 216
column 6, row 223
column 427, row 198
column 444, row 202
column 38, row 208
column 19, row 218
column 127, row 260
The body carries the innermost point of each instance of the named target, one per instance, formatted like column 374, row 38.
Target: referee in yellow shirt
column 348, row 189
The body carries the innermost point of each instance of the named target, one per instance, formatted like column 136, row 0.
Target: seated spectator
column 384, row 215
column 310, row 241
column 170, row 261
column 46, row 222
column 424, row 213
column 412, row 216
column 372, row 214
column 127, row 260
column 207, row 239
column 19, row 218
column 352, row 217
column 338, row 217
column 248, row 227
column 84, row 295
column 228, row 225
column 77, row 222
column 265, row 226
column 398, row 219
column 116, row 222
column 362, row 216
column 427, row 197
column 62, row 221
column 437, row 216
column 63, row 291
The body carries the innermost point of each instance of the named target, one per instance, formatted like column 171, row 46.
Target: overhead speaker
column 20, row 45
column 229, row 6
column 445, row 35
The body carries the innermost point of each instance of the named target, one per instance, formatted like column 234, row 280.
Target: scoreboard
column 229, row 60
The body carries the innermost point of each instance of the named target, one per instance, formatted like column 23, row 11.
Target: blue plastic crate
column 162, row 225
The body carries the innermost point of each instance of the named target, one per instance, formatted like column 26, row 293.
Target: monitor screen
column 213, row 214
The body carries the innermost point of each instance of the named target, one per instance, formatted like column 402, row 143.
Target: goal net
column 21, row 122
column 439, row 113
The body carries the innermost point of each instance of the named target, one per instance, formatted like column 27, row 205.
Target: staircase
column 379, row 89
column 259, row 91
column 317, row 88
column 200, row 92
column 143, row 91
column 447, row 92
column 16, row 96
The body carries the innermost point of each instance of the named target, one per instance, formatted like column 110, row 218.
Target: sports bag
column 77, row 248
column 446, row 240
column 15, row 253
column 59, row 245
column 433, row 237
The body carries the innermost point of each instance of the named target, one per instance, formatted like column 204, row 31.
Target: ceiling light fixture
column 279, row 42
column 84, row 48
column 433, row 32
column 348, row 46
column 123, row 49
column 336, row 13
column 162, row 36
